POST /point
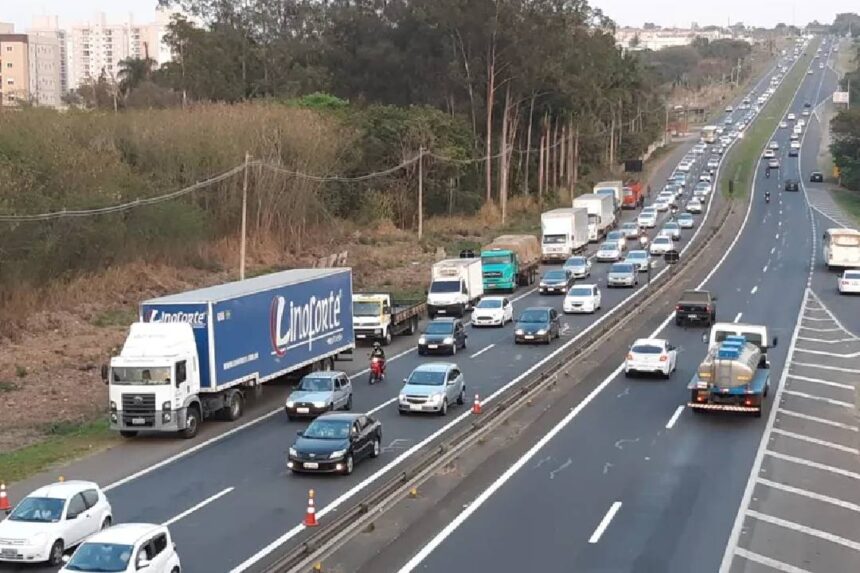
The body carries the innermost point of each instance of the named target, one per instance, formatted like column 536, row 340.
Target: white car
column 609, row 251
column 667, row 196
column 640, row 259
column 791, row 117
column 783, row 124
column 800, row 123
column 705, row 177
column 582, row 298
column 773, row 145
column 795, row 144
column 684, row 167
column 619, row 237
column 703, row 188
column 493, row 311
column 729, row 109
column 126, row 548
column 631, row 230
column 849, row 282
column 672, row 230
column 805, row 113
column 713, row 162
column 652, row 355
column 51, row 520
column 794, row 137
column 647, row 219
column 660, row 245
column 578, row 266
column 694, row 205
column 686, row 221
column 661, row 204
column 768, row 154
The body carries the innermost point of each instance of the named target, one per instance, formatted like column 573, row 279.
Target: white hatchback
column 651, row 355
column 849, row 282
column 660, row 245
column 694, row 205
column 647, row 219
column 51, row 520
column 493, row 311
column 126, row 548
column 582, row 298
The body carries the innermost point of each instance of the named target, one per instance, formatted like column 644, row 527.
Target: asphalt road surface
column 636, row 482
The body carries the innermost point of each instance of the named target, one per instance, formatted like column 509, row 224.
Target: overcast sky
column 625, row 12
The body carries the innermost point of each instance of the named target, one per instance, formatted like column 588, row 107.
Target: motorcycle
column 767, row 197
column 377, row 370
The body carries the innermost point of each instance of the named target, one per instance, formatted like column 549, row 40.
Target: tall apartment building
column 49, row 27
column 14, row 67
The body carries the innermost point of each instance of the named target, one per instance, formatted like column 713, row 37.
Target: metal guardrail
column 435, row 456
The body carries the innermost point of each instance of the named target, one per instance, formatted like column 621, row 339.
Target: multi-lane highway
column 633, row 481
column 652, row 487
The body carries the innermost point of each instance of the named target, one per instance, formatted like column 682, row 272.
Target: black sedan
column 557, row 281
column 816, row 177
column 792, row 185
column 442, row 335
column 334, row 442
column 538, row 324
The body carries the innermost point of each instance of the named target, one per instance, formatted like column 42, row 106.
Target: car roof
column 589, row 285
column 494, row 297
column 345, row 416
column 648, row 341
column 435, row 367
column 63, row 489
column 444, row 319
column 538, row 308
column 125, row 533
column 324, row 374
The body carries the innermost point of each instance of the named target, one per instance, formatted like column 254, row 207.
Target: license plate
column 415, row 406
column 8, row 553
column 529, row 337
column 311, row 465
column 361, row 336
column 433, row 346
column 303, row 410
column 138, row 421
column 692, row 316
column 440, row 311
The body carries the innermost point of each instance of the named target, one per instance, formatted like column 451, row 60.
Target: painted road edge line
column 678, row 411
column 604, row 523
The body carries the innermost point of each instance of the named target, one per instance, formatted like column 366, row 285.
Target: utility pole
column 421, row 192
column 244, row 219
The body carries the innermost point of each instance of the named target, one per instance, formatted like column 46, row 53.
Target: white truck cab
column 754, row 333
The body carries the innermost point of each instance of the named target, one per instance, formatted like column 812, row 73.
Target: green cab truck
column 510, row 261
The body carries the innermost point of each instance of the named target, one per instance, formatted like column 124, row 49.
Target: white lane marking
column 800, row 528
column 764, row 269
column 678, row 411
column 823, row 382
column 194, row 508
column 821, row 329
column 815, row 318
column 481, row 351
column 604, row 523
column 383, row 405
column 769, row 562
column 830, row 401
column 810, row 494
column 809, row 418
column 777, row 235
column 834, row 354
column 812, row 464
column 816, row 441
column 772, row 250
column 754, row 290
column 738, row 317
column 825, row 341
column 823, row 367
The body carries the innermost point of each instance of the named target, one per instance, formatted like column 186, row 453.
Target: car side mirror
column 142, row 563
column 775, row 341
column 714, row 298
column 105, row 372
column 406, row 380
column 65, row 558
column 705, row 336
column 300, row 433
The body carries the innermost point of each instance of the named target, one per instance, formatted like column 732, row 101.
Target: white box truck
column 615, row 189
column 564, row 232
column 456, row 285
column 601, row 214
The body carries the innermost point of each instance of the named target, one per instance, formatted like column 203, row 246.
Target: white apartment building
column 48, row 27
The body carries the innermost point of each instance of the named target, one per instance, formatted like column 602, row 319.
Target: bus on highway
column 842, row 248
column 709, row 133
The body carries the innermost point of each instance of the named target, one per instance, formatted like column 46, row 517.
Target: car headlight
column 337, row 454
column 290, row 403
column 435, row 398
column 448, row 340
column 293, row 452
column 519, row 331
column 402, row 398
column 422, row 340
column 319, row 404
column 541, row 332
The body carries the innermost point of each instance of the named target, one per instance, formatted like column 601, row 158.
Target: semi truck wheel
column 192, row 422
column 387, row 338
column 234, row 408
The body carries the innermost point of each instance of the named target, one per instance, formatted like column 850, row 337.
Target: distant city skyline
column 665, row 13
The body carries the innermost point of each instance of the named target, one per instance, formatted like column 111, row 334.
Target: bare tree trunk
column 491, row 89
column 575, row 160
column 540, row 167
column 563, row 155
column 503, row 155
column 529, row 145
column 555, row 156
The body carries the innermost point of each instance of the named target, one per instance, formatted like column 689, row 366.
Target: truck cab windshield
column 554, row 239
column 127, row 376
column 752, row 337
column 496, row 259
column 445, row 286
column 365, row 308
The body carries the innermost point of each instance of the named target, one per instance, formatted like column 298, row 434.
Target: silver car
column 622, row 274
column 320, row 392
column 579, row 267
column 432, row 387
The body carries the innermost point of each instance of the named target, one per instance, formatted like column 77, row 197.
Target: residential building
column 48, row 27
column 659, row 38
column 14, row 68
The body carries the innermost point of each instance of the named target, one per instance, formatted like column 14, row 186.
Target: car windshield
column 637, row 255
column 322, row 429
column 427, row 378
column 646, row 349
column 579, row 291
column 621, row 268
column 551, row 239
column 366, row 308
column 685, row 217
column 575, row 262
column 445, row 286
column 39, row 510
column 127, row 376
column 555, row 276
column 101, row 557
column 439, row 328
column 671, row 226
column 314, row 384
column 615, row 235
column 534, row 316
column 662, row 240
column 608, row 246
column 630, row 227
column 490, row 303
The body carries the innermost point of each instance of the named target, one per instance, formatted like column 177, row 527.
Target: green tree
column 845, row 127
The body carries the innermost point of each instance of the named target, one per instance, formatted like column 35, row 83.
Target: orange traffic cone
column 311, row 514
column 476, row 405
column 4, row 501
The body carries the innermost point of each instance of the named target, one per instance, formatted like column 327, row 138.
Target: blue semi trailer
column 194, row 355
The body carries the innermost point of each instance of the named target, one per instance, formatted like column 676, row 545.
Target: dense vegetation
column 344, row 87
column 845, row 129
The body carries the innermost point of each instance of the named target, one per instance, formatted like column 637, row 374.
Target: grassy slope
column 745, row 157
